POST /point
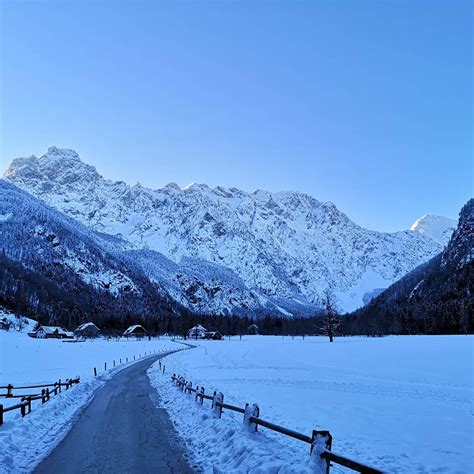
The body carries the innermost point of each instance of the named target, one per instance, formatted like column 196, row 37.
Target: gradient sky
column 364, row 103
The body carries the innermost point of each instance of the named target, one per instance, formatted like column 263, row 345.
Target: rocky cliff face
column 284, row 248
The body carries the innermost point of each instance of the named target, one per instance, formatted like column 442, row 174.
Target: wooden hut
column 87, row 330
column 252, row 329
column 52, row 332
column 136, row 330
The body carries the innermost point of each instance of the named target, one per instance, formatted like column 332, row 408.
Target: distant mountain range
column 216, row 251
column 437, row 297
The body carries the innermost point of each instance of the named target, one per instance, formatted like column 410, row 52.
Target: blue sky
column 364, row 103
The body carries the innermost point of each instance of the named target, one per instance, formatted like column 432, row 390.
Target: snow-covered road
column 121, row 431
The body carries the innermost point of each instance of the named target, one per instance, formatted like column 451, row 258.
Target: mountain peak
column 438, row 228
column 54, row 151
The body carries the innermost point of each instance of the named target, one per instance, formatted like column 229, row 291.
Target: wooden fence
column 26, row 398
column 55, row 388
column 320, row 441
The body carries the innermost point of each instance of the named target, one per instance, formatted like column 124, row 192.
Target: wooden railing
column 320, row 441
column 55, row 388
column 26, row 398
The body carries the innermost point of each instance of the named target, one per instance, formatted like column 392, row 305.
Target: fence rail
column 48, row 389
column 320, row 441
column 26, row 398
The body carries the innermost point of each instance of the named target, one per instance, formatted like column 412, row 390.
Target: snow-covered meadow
column 27, row 361
column 402, row 404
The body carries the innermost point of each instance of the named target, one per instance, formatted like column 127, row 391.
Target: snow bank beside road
column 225, row 445
column 25, row 442
column 402, row 404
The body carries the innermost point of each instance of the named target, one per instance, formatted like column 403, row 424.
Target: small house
column 197, row 332
column 136, row 330
column 214, row 335
column 252, row 329
column 87, row 330
column 52, row 332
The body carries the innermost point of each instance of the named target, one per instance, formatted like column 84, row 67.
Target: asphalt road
column 121, row 430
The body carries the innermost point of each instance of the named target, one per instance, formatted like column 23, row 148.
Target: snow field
column 24, row 442
column 401, row 404
column 26, row 361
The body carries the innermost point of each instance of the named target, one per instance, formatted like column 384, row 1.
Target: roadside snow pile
column 402, row 404
column 24, row 442
column 225, row 445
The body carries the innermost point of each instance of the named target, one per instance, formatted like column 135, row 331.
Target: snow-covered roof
column 131, row 329
column 87, row 325
column 53, row 329
column 198, row 328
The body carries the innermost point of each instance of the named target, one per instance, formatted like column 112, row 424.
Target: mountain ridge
column 283, row 245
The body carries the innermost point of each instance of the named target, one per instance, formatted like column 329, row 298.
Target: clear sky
column 364, row 103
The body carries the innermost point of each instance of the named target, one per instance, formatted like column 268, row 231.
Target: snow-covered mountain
column 438, row 228
column 435, row 298
column 284, row 248
column 52, row 250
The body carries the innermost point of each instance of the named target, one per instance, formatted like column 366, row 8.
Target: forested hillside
column 435, row 298
column 58, row 272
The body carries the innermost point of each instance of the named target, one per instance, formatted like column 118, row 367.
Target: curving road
column 121, row 430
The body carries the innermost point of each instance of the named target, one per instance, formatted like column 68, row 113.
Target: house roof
column 53, row 329
column 87, row 325
column 131, row 329
column 198, row 328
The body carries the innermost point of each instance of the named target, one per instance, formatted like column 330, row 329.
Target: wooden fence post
column 216, row 408
column 1, row 414
column 321, row 441
column 105, row 365
column 199, row 394
column 59, row 385
column 23, row 408
column 188, row 388
column 114, row 362
column 251, row 411
column 95, row 372
column 47, row 394
column 43, row 396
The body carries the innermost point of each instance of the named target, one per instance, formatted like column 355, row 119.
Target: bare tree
column 331, row 320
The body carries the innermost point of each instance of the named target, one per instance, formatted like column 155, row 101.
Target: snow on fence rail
column 26, row 398
column 320, row 441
